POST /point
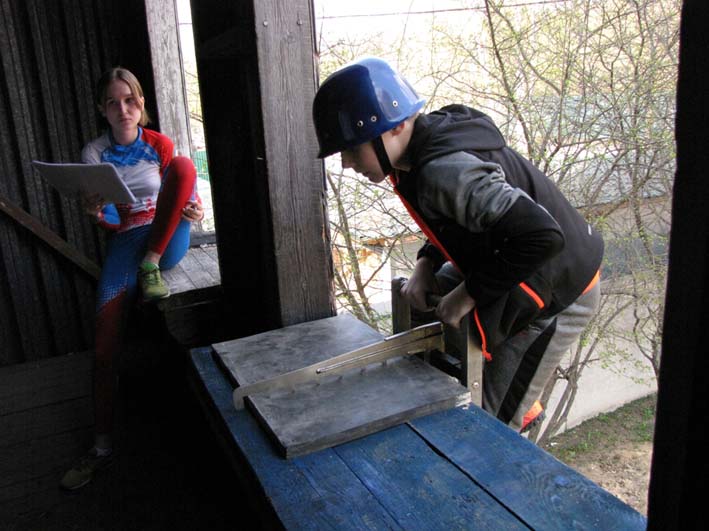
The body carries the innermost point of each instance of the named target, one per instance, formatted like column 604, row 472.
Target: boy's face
column 363, row 160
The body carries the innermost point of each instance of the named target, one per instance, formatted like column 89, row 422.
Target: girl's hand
column 93, row 204
column 454, row 306
column 192, row 211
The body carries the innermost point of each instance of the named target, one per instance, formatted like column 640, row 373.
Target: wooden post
column 400, row 310
column 170, row 92
column 257, row 83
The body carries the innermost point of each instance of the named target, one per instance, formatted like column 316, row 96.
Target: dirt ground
column 614, row 450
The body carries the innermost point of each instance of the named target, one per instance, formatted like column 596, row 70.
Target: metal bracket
column 458, row 343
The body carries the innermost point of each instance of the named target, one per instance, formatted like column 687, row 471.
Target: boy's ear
column 398, row 129
column 101, row 110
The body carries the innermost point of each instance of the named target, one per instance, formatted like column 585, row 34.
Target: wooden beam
column 285, row 47
column 170, row 91
column 267, row 184
column 60, row 245
column 679, row 465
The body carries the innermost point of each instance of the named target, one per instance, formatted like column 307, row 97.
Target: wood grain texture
column 33, row 225
column 46, row 420
column 335, row 409
column 197, row 270
column 267, row 184
column 346, row 407
column 458, row 469
column 342, row 502
column 36, row 384
column 420, row 488
column 336, row 488
column 170, row 91
column 250, row 359
column 40, row 422
column 543, row 492
column 284, row 43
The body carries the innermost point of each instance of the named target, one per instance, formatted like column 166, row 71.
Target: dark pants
column 523, row 364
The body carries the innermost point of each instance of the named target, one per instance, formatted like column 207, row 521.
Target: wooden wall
column 257, row 81
column 52, row 53
column 46, row 422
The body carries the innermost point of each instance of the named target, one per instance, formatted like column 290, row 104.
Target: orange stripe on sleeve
column 529, row 291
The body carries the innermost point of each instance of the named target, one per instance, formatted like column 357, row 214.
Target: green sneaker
column 83, row 472
column 151, row 283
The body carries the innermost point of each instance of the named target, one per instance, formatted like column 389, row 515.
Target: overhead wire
column 436, row 11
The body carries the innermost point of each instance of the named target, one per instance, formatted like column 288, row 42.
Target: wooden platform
column 192, row 312
column 457, row 469
column 198, row 270
column 46, row 419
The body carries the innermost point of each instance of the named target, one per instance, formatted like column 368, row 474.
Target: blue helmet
column 359, row 102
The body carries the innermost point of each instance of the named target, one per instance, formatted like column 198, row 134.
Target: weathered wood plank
column 68, row 94
column 404, row 479
column 29, row 459
column 391, row 480
column 543, row 492
column 247, row 360
column 194, row 269
column 213, row 253
column 209, row 263
column 170, row 91
column 17, row 248
column 341, row 502
column 342, row 408
column 29, row 497
column 419, row 487
column 284, row 42
column 33, row 225
column 178, row 280
column 35, row 384
column 197, row 270
column 45, row 421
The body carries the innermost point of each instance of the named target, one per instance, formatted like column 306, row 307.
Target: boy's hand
column 454, row 306
column 192, row 211
column 421, row 283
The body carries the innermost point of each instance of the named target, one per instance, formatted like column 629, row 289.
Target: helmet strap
column 382, row 156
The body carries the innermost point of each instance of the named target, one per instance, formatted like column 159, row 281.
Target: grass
column 632, row 423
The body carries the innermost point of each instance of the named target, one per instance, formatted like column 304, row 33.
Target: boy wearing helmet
column 503, row 242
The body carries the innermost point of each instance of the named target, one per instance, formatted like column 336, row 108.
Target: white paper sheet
column 75, row 179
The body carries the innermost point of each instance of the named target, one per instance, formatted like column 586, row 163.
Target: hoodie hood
column 450, row 129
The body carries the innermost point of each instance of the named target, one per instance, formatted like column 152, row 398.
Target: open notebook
column 76, row 179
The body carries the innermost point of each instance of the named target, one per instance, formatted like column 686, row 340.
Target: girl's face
column 363, row 160
column 122, row 108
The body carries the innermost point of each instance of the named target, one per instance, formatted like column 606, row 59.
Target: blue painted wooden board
column 542, row 491
column 358, row 485
column 458, row 469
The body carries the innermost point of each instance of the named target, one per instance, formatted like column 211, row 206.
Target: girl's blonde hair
column 122, row 74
